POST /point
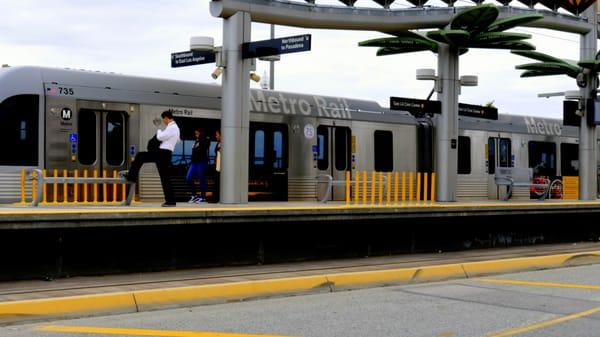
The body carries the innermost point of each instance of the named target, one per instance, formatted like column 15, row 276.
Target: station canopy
column 574, row 7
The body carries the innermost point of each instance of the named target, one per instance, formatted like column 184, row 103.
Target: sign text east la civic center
column 285, row 45
column 420, row 106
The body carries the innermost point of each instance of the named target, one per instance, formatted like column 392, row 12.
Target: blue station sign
column 191, row 58
column 285, row 45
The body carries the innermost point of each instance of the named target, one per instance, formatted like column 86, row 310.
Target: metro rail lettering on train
column 293, row 137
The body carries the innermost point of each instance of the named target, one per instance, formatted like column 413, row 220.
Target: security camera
column 254, row 77
column 216, row 73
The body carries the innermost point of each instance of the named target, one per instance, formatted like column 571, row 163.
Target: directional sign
column 415, row 106
column 285, row 45
column 477, row 111
column 191, row 58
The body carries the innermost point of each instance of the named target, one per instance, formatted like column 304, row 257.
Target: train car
column 86, row 121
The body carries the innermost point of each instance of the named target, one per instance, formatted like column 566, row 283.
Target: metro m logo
column 66, row 114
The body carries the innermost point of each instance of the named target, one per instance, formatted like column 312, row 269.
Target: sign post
column 285, row 45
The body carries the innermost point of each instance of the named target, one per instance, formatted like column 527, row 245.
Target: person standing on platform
column 168, row 136
column 217, row 186
column 198, row 166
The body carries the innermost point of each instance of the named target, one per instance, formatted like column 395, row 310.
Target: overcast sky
column 136, row 37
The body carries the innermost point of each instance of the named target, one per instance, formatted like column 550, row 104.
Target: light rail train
column 83, row 120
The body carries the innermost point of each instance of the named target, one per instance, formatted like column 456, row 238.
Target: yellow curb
column 66, row 306
column 160, row 298
column 144, row 300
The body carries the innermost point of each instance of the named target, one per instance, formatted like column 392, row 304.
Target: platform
column 147, row 214
column 34, row 300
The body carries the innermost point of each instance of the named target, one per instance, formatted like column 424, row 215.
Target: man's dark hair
column 167, row 113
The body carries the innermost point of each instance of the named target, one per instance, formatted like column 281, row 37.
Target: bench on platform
column 519, row 177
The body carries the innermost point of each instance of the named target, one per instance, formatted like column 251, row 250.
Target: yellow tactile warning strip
column 143, row 300
column 111, row 209
column 141, row 332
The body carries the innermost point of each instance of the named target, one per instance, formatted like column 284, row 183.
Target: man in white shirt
column 168, row 138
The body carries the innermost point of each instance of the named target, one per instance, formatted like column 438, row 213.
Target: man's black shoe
column 168, row 204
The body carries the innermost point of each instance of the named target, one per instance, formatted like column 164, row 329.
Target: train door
column 333, row 156
column 499, row 152
column 102, row 140
column 268, row 162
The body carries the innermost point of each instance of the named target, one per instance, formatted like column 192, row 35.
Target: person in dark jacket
column 198, row 166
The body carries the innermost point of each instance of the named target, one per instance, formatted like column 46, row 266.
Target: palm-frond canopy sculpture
column 550, row 65
column 475, row 27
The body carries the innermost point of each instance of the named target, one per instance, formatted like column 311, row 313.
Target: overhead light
column 216, row 73
column 468, row 80
column 202, row 43
column 426, row 75
column 254, row 77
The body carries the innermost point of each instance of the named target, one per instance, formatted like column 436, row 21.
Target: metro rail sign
column 191, row 58
column 477, row 111
column 285, row 45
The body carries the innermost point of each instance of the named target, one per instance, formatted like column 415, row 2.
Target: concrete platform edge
column 146, row 300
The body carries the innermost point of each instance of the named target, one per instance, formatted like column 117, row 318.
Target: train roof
column 147, row 90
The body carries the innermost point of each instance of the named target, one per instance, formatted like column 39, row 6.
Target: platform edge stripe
column 345, row 280
column 474, row 269
column 63, row 306
column 160, row 298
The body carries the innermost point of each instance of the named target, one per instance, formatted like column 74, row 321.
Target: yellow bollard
column 104, row 188
column 85, row 187
column 34, row 185
column 348, row 187
column 396, row 187
column 373, row 186
column 418, row 186
column 380, row 194
column 123, row 192
column 44, row 188
column 23, row 192
column 403, row 186
column 425, row 183
column 388, row 195
column 65, row 186
column 114, row 196
column 95, row 187
column 432, row 186
column 356, row 187
column 410, row 186
column 55, row 188
column 364, row 196
column 76, row 187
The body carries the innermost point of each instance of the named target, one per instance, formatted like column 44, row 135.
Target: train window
column 115, row 138
column 464, row 155
column 569, row 159
column 278, row 149
column 542, row 158
column 342, row 150
column 504, row 152
column 384, row 151
column 323, row 148
column 86, row 143
column 259, row 147
column 19, row 117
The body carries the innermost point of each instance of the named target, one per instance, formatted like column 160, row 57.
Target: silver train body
column 82, row 120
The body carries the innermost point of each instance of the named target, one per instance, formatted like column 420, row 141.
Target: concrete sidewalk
column 137, row 299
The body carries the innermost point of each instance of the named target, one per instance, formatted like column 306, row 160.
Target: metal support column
column 235, row 104
column 272, row 64
column 587, row 134
column 446, row 135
